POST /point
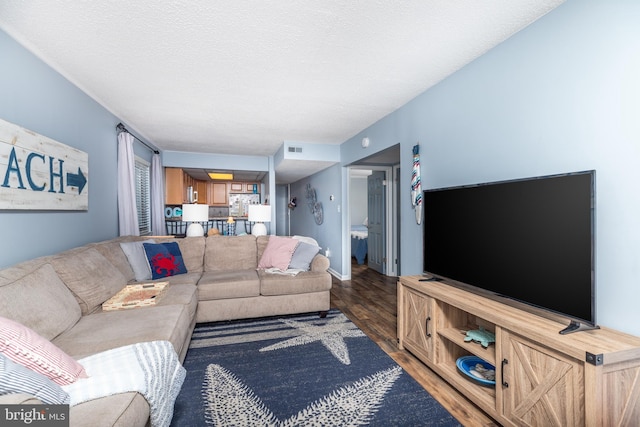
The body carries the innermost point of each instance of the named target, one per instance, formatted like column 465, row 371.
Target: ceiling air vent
column 295, row 149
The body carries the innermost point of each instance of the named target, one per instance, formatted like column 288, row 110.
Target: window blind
column 143, row 196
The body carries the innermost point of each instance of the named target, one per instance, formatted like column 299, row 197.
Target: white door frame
column 390, row 214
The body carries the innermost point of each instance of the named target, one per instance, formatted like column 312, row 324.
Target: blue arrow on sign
column 76, row 180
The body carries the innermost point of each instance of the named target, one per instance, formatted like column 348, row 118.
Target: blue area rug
column 298, row 371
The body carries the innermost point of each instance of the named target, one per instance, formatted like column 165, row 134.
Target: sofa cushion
column 181, row 293
column 187, row 278
column 112, row 251
column 90, row 276
column 52, row 307
column 304, row 282
column 15, row 378
column 278, row 253
column 137, row 258
column 28, row 348
column 165, row 259
column 192, row 249
column 123, row 327
column 230, row 253
column 228, row 284
column 118, row 410
column 303, row 255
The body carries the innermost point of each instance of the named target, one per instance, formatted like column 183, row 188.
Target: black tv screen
column 530, row 240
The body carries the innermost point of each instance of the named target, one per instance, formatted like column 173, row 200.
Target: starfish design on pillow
column 331, row 335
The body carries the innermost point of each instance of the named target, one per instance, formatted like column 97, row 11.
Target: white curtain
column 127, row 214
column 157, row 197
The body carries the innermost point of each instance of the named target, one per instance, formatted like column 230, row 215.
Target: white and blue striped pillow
column 15, row 378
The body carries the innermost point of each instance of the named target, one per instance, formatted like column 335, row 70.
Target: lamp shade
column 195, row 212
column 259, row 213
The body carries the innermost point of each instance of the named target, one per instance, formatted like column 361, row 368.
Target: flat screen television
column 527, row 241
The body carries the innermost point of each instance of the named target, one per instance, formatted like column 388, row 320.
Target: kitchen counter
column 216, row 218
column 177, row 227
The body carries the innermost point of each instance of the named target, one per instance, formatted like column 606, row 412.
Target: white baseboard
column 338, row 275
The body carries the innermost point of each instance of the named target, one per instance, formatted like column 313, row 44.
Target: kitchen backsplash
column 218, row 212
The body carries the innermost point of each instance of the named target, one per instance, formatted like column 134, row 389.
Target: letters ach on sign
column 38, row 173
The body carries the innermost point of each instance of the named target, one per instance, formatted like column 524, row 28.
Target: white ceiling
column 241, row 77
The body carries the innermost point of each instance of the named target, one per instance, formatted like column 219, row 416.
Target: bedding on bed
column 359, row 241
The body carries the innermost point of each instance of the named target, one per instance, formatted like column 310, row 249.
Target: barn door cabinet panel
column 540, row 386
column 419, row 324
column 543, row 378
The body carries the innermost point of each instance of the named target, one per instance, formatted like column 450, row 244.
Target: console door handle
column 504, row 383
column 426, row 326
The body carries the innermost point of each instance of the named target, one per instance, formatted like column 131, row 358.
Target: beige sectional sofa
column 60, row 297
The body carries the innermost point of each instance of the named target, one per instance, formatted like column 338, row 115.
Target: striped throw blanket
column 150, row 368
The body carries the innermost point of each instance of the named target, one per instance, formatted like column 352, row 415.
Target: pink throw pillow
column 278, row 252
column 31, row 350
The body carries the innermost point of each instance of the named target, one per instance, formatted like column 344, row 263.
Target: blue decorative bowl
column 467, row 365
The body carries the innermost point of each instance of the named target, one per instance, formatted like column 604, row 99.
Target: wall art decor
column 314, row 205
column 38, row 173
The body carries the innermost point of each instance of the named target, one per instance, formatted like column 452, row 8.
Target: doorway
column 373, row 231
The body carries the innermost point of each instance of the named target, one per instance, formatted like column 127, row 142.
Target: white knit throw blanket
column 149, row 368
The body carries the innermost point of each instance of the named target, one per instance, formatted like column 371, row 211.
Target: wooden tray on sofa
column 137, row 295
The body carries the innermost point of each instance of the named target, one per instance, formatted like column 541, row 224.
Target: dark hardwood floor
column 369, row 301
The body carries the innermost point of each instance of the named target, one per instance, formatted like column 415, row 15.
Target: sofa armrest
column 320, row 263
column 19, row 399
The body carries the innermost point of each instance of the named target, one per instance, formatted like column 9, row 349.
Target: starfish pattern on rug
column 331, row 335
column 229, row 402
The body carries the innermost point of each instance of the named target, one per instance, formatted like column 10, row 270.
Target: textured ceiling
column 240, row 77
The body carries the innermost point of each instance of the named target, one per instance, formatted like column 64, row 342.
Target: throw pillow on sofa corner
column 29, row 349
column 303, row 255
column 15, row 378
column 137, row 258
column 165, row 259
column 278, row 253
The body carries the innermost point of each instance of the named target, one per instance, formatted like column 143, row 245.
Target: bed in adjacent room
column 359, row 235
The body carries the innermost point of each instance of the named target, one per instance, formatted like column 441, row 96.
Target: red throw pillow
column 165, row 259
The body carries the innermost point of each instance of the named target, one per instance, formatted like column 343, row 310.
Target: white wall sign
column 38, row 173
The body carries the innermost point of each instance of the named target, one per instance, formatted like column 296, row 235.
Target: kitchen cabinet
column 174, row 186
column 217, row 194
column 202, row 188
column 243, row 187
column 213, row 193
column 236, row 187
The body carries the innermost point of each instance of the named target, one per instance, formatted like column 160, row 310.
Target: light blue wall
column 326, row 183
column 562, row 95
column 181, row 159
column 37, row 98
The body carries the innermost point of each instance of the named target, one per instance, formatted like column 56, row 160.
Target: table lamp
column 259, row 214
column 195, row 214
